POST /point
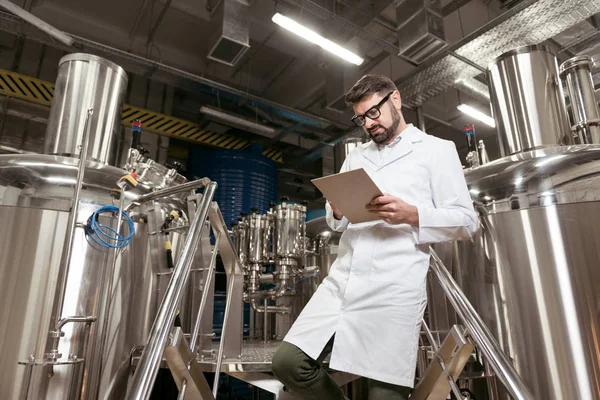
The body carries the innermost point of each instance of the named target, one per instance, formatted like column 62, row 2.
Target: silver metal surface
column 528, row 100
column 480, row 334
column 65, row 260
column 208, row 282
column 527, row 23
column 537, row 247
column 224, row 333
column 187, row 375
column 231, row 36
column 147, row 369
column 420, row 119
column 259, row 230
column 38, row 23
column 169, row 191
column 85, row 81
column 559, row 175
column 288, row 220
column 577, row 74
column 443, row 371
column 36, row 193
column 232, row 339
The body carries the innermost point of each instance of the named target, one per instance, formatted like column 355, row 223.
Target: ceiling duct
column 529, row 22
column 338, row 81
column 420, row 28
column 472, row 87
column 231, row 35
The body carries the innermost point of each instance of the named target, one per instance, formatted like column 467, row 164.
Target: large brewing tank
column 36, row 193
column 531, row 271
column 35, row 198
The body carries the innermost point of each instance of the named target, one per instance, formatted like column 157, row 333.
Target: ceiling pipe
column 38, row 23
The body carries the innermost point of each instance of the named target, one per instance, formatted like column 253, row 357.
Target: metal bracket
column 179, row 356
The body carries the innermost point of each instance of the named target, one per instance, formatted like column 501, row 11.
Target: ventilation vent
column 232, row 35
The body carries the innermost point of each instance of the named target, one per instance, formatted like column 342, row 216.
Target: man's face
column 381, row 129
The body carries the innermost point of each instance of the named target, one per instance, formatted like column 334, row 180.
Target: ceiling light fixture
column 238, row 121
column 317, row 39
column 478, row 115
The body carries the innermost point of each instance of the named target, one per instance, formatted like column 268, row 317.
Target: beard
column 383, row 135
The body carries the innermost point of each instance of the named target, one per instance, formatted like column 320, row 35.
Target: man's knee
column 290, row 364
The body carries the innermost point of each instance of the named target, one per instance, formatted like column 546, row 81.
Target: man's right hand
column 337, row 214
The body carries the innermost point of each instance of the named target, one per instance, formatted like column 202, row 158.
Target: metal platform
column 256, row 357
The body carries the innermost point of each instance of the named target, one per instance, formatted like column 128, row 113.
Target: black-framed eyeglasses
column 372, row 113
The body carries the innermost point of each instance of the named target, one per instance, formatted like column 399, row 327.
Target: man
column 367, row 313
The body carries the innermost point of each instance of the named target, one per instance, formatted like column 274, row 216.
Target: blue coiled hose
column 104, row 235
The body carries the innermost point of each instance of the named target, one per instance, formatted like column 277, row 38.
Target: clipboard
column 350, row 191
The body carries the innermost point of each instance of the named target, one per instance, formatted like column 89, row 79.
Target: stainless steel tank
column 259, row 232
column 577, row 74
column 240, row 240
column 532, row 271
column 86, row 81
column 323, row 252
column 35, row 193
column 528, row 100
column 288, row 230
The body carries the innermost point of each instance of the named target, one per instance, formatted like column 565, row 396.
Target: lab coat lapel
column 371, row 153
column 405, row 146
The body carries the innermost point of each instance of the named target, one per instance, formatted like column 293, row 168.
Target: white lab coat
column 375, row 295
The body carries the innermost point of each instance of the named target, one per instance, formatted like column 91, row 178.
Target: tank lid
column 549, row 176
column 92, row 58
column 521, row 50
column 576, row 62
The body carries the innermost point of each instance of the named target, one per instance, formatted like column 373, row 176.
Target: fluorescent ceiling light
column 317, row 39
column 238, row 121
column 478, row 115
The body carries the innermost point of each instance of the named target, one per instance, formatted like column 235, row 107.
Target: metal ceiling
column 530, row 22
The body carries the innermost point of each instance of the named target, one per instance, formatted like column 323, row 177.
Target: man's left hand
column 394, row 211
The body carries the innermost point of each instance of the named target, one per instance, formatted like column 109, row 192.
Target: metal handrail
column 480, row 334
column 162, row 193
column 147, row 369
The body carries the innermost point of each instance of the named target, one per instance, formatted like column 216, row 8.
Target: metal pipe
column 38, row 23
column 223, row 335
column 145, row 373
column 15, row 150
column 266, row 321
column 159, row 194
column 480, row 334
column 443, row 365
column 270, row 309
column 72, row 223
column 108, row 298
column 63, row 321
column 420, row 118
column 183, row 389
column 211, row 272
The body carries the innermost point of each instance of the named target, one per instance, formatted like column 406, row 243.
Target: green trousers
column 306, row 378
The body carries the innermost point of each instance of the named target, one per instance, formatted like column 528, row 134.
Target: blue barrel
column 246, row 179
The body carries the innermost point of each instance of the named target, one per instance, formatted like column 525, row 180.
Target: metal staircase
column 181, row 355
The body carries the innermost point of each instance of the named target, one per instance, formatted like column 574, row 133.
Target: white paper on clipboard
column 350, row 191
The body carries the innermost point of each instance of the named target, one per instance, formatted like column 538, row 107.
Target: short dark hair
column 369, row 85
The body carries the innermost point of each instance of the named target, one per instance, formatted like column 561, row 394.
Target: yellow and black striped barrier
column 41, row 92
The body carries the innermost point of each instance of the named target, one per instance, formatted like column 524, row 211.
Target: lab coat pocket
column 393, row 254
